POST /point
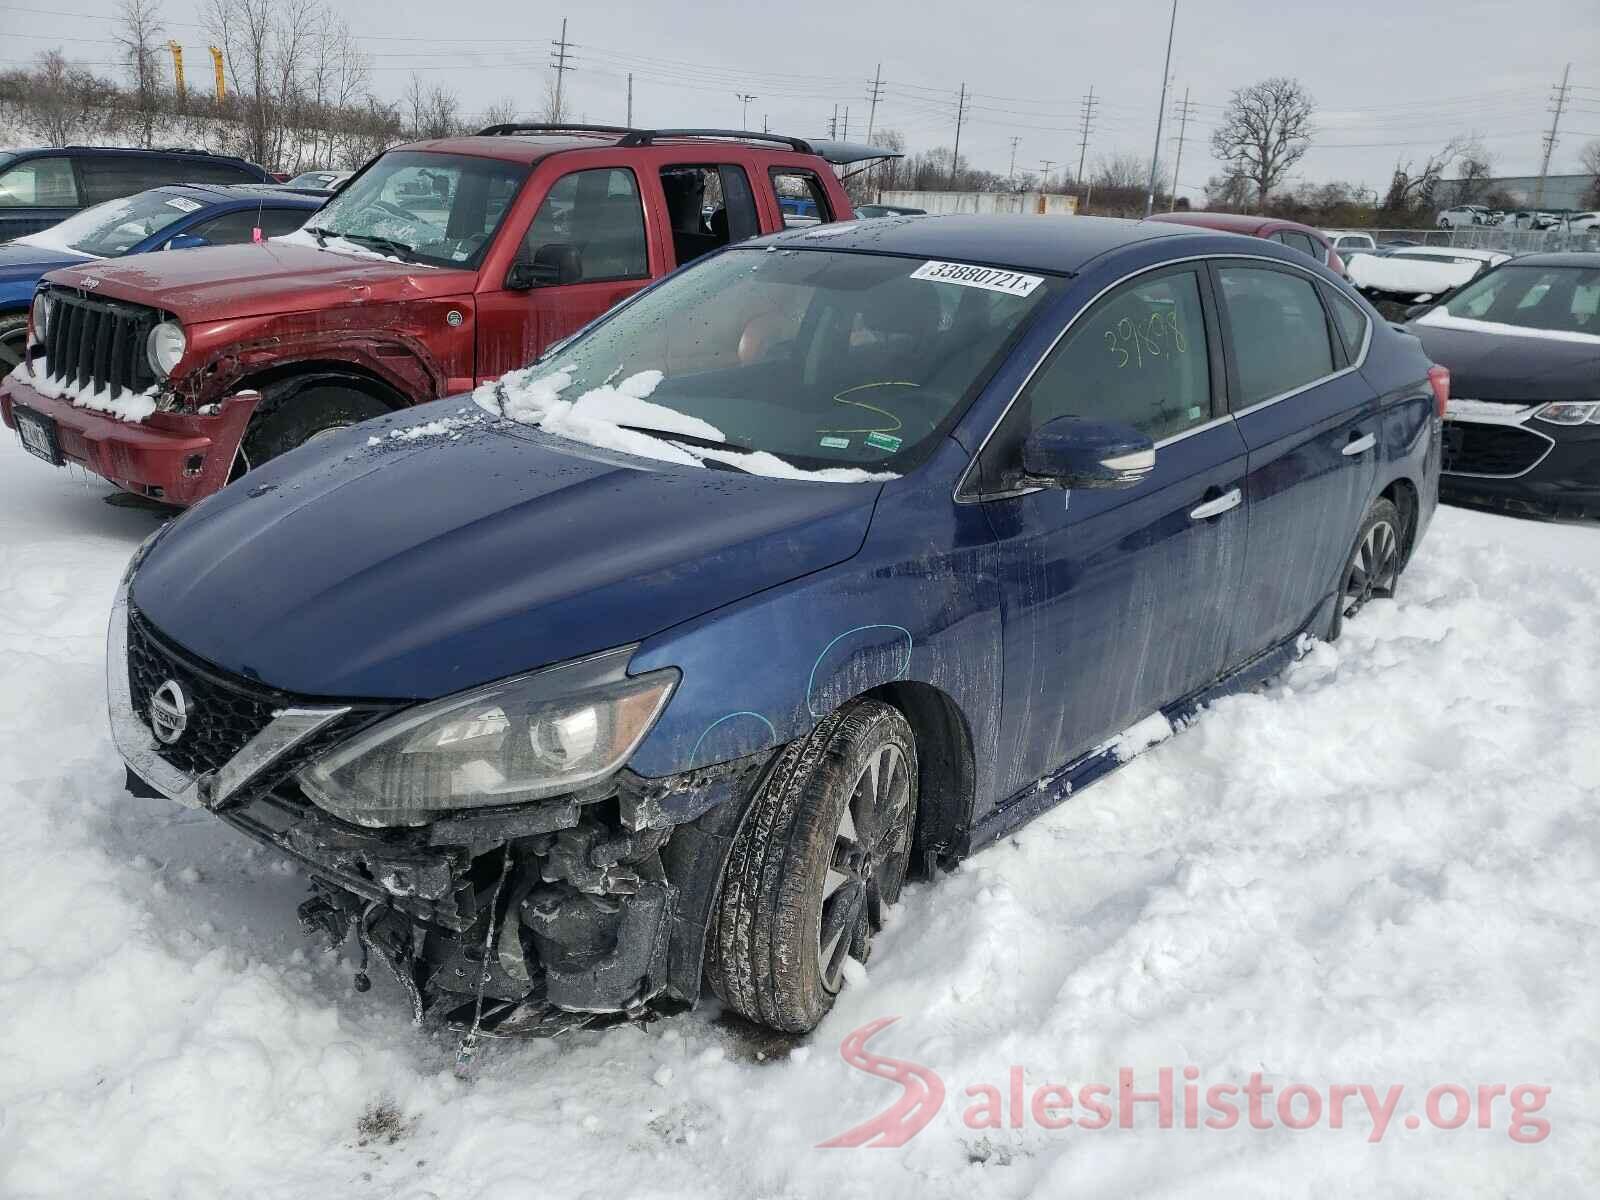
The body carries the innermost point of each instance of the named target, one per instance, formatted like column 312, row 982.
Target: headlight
column 165, row 346
column 521, row 739
column 1571, row 412
column 41, row 315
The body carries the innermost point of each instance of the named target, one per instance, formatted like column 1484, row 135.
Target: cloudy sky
column 1391, row 80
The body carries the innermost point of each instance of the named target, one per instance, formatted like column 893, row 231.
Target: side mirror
column 554, row 263
column 1070, row 453
column 187, row 241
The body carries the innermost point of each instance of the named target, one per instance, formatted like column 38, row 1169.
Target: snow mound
column 1406, row 276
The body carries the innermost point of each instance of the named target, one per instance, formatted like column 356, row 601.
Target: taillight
column 1439, row 381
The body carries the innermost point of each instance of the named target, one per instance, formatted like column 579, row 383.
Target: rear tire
column 1372, row 572
column 820, row 855
column 13, row 340
column 308, row 414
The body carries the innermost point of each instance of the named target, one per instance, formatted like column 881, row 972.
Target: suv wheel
column 1373, row 570
column 820, row 855
column 13, row 335
column 304, row 417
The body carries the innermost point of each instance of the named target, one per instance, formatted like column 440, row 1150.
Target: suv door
column 1116, row 602
column 36, row 194
column 586, row 250
column 1309, row 422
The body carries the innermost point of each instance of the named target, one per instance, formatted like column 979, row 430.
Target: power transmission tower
column 1012, row 175
column 744, row 98
column 1185, row 111
column 1550, row 138
column 1086, row 122
column 558, row 60
column 1161, row 112
column 961, row 112
column 877, row 90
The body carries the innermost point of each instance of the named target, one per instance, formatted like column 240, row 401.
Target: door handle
column 1360, row 445
column 1226, row 502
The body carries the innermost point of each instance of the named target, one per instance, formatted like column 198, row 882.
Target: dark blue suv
column 826, row 560
column 167, row 218
column 43, row 186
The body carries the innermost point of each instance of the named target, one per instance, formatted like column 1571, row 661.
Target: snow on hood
column 333, row 243
column 596, row 418
column 1408, row 276
column 130, row 406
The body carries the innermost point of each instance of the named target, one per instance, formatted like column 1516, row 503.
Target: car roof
column 1060, row 245
column 1586, row 259
column 162, row 151
column 1249, row 223
column 1456, row 252
column 222, row 193
column 531, row 147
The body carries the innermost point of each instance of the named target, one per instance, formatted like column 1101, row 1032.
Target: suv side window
column 708, row 207
column 236, row 228
column 39, row 182
column 198, row 170
column 113, row 176
column 1279, row 333
column 596, row 213
column 1139, row 358
column 1350, row 321
column 801, row 196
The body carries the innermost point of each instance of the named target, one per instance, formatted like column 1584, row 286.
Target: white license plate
column 38, row 435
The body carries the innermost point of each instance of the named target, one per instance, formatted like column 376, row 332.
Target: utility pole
column 961, row 112
column 1155, row 154
column 630, row 99
column 1012, row 176
column 764, row 128
column 1045, row 164
column 1550, row 138
column 1184, row 112
column 833, row 125
column 744, row 98
column 877, row 90
column 1086, row 121
column 559, row 61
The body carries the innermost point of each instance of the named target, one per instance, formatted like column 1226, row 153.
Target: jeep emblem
column 169, row 712
column 90, row 282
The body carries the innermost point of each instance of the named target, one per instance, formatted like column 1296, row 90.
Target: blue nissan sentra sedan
column 823, row 562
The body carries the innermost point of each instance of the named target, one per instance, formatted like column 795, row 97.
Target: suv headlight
column 524, row 738
column 41, row 315
column 1569, row 412
column 165, row 347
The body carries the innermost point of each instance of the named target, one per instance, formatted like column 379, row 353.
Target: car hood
column 18, row 260
column 371, row 566
column 1524, row 369
column 218, row 283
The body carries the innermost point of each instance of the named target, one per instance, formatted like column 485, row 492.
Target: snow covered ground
column 1382, row 871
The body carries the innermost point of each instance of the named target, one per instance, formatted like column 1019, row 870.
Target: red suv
column 440, row 265
column 1290, row 233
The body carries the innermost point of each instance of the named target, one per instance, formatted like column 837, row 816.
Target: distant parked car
column 1582, row 222
column 1463, row 214
column 889, row 210
column 1531, row 219
column 1350, row 243
column 1522, row 343
column 38, row 188
column 165, row 218
column 1308, row 241
column 320, row 179
column 1404, row 278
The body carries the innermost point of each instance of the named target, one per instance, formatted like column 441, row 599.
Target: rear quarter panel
column 1410, row 430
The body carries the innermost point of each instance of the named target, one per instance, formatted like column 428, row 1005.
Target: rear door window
column 39, row 183
column 708, row 207
column 801, row 196
column 597, row 216
column 1301, row 242
column 1279, row 336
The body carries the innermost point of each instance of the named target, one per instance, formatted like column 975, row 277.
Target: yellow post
column 177, row 66
column 216, row 59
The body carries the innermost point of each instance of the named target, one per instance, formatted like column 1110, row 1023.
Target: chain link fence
column 1503, row 238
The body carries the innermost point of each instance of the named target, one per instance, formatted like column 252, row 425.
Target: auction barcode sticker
column 992, row 279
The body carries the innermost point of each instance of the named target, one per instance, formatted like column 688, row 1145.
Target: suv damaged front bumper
column 520, row 921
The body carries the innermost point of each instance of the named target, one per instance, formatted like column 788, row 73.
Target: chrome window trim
column 977, row 498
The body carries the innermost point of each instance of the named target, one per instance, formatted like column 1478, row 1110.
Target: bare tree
column 1120, row 182
column 1265, row 130
column 244, row 30
column 1230, row 190
column 138, row 33
column 553, row 110
column 1412, row 188
column 1589, row 156
column 63, row 101
column 505, row 111
column 1474, row 170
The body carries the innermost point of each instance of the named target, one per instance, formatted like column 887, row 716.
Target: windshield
column 820, row 359
column 441, row 209
column 1565, row 299
column 115, row 227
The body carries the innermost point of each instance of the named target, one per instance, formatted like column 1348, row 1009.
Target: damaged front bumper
column 524, row 920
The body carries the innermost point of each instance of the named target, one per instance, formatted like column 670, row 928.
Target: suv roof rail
column 644, row 137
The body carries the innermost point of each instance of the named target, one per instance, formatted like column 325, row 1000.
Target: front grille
column 1480, row 449
column 98, row 345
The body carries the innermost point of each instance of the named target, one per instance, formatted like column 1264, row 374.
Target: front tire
column 1372, row 571
column 820, row 855
column 13, row 339
column 315, row 412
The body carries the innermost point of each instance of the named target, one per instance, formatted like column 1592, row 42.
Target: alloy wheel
column 870, row 851
column 1373, row 569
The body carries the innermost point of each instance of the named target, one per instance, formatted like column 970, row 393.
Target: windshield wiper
column 320, row 234
column 398, row 249
column 688, row 440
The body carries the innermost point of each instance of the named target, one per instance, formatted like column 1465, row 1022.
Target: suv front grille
column 1471, row 448
column 98, row 344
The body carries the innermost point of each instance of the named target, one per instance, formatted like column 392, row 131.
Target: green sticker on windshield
column 835, row 443
column 883, row 441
